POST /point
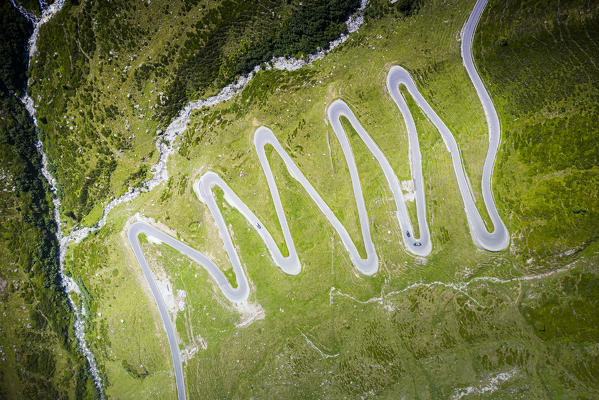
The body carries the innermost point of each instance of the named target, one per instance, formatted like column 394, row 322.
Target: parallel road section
column 495, row 240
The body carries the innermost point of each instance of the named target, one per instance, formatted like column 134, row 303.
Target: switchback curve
column 496, row 240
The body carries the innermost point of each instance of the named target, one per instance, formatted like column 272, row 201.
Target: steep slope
column 38, row 348
column 460, row 322
column 109, row 76
column 541, row 62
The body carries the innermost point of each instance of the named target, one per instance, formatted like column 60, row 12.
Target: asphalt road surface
column 496, row 240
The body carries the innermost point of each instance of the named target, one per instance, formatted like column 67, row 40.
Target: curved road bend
column 134, row 231
column 492, row 241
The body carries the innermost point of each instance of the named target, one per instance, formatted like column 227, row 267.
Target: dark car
column 408, row 233
column 417, row 244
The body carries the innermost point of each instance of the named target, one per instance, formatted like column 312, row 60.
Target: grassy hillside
column 38, row 349
column 519, row 323
column 109, row 75
column 541, row 62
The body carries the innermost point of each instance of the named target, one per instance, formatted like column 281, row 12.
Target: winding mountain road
column 204, row 188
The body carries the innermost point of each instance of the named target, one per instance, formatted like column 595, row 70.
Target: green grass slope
column 109, row 75
column 541, row 62
column 39, row 352
column 515, row 324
